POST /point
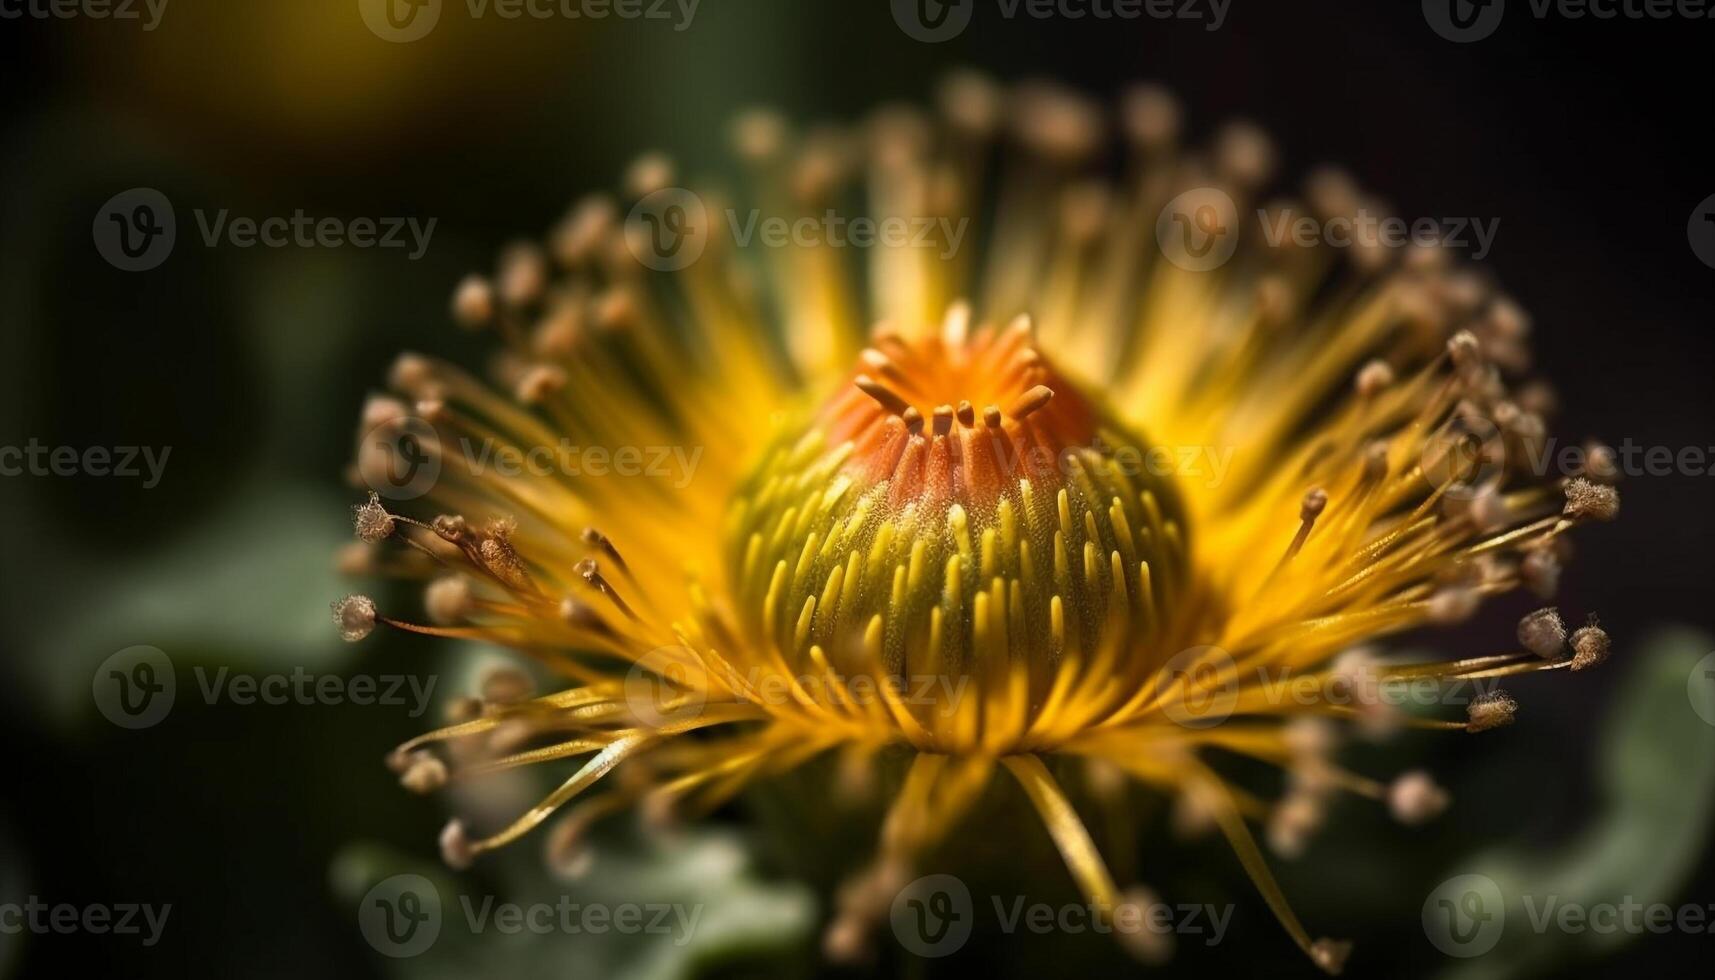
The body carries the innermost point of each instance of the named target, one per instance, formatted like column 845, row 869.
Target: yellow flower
column 1123, row 489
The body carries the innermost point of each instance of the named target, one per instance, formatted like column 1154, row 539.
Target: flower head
column 1083, row 499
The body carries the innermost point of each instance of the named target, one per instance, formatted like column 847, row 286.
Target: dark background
column 1588, row 139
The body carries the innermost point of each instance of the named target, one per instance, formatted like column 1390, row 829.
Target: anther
column 1590, row 647
column 1150, row 945
column 1373, row 378
column 355, row 615
column 539, row 383
column 424, row 773
column 523, row 275
column 371, row 520
column 473, row 302
column 1414, row 798
column 1031, row 402
column 596, row 539
column 1543, row 633
column 1591, row 501
column 886, row 397
column 943, row 417
column 507, row 686
column 1331, row 955
column 1541, row 572
column 1492, row 710
column 456, row 847
column 1464, row 349
column 448, row 600
column 451, row 527
column 967, row 415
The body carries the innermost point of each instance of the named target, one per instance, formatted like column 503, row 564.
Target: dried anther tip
column 1543, row 633
column 1492, row 710
column 507, row 685
column 456, row 847
column 1151, row 945
column 1315, row 501
column 1593, row 501
column 1373, row 378
column 448, row 600
column 1331, row 955
column 1464, row 349
column 355, row 615
column 1590, row 647
column 1541, row 572
column 451, row 527
column 473, row 302
column 886, row 397
column 1414, row 798
column 1454, row 605
column 424, row 773
column 371, row 520
column 1031, row 401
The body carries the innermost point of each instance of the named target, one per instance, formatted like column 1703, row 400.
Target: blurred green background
column 263, row 825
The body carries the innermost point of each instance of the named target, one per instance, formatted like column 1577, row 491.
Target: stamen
column 596, row 539
column 886, row 397
column 1031, row 402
